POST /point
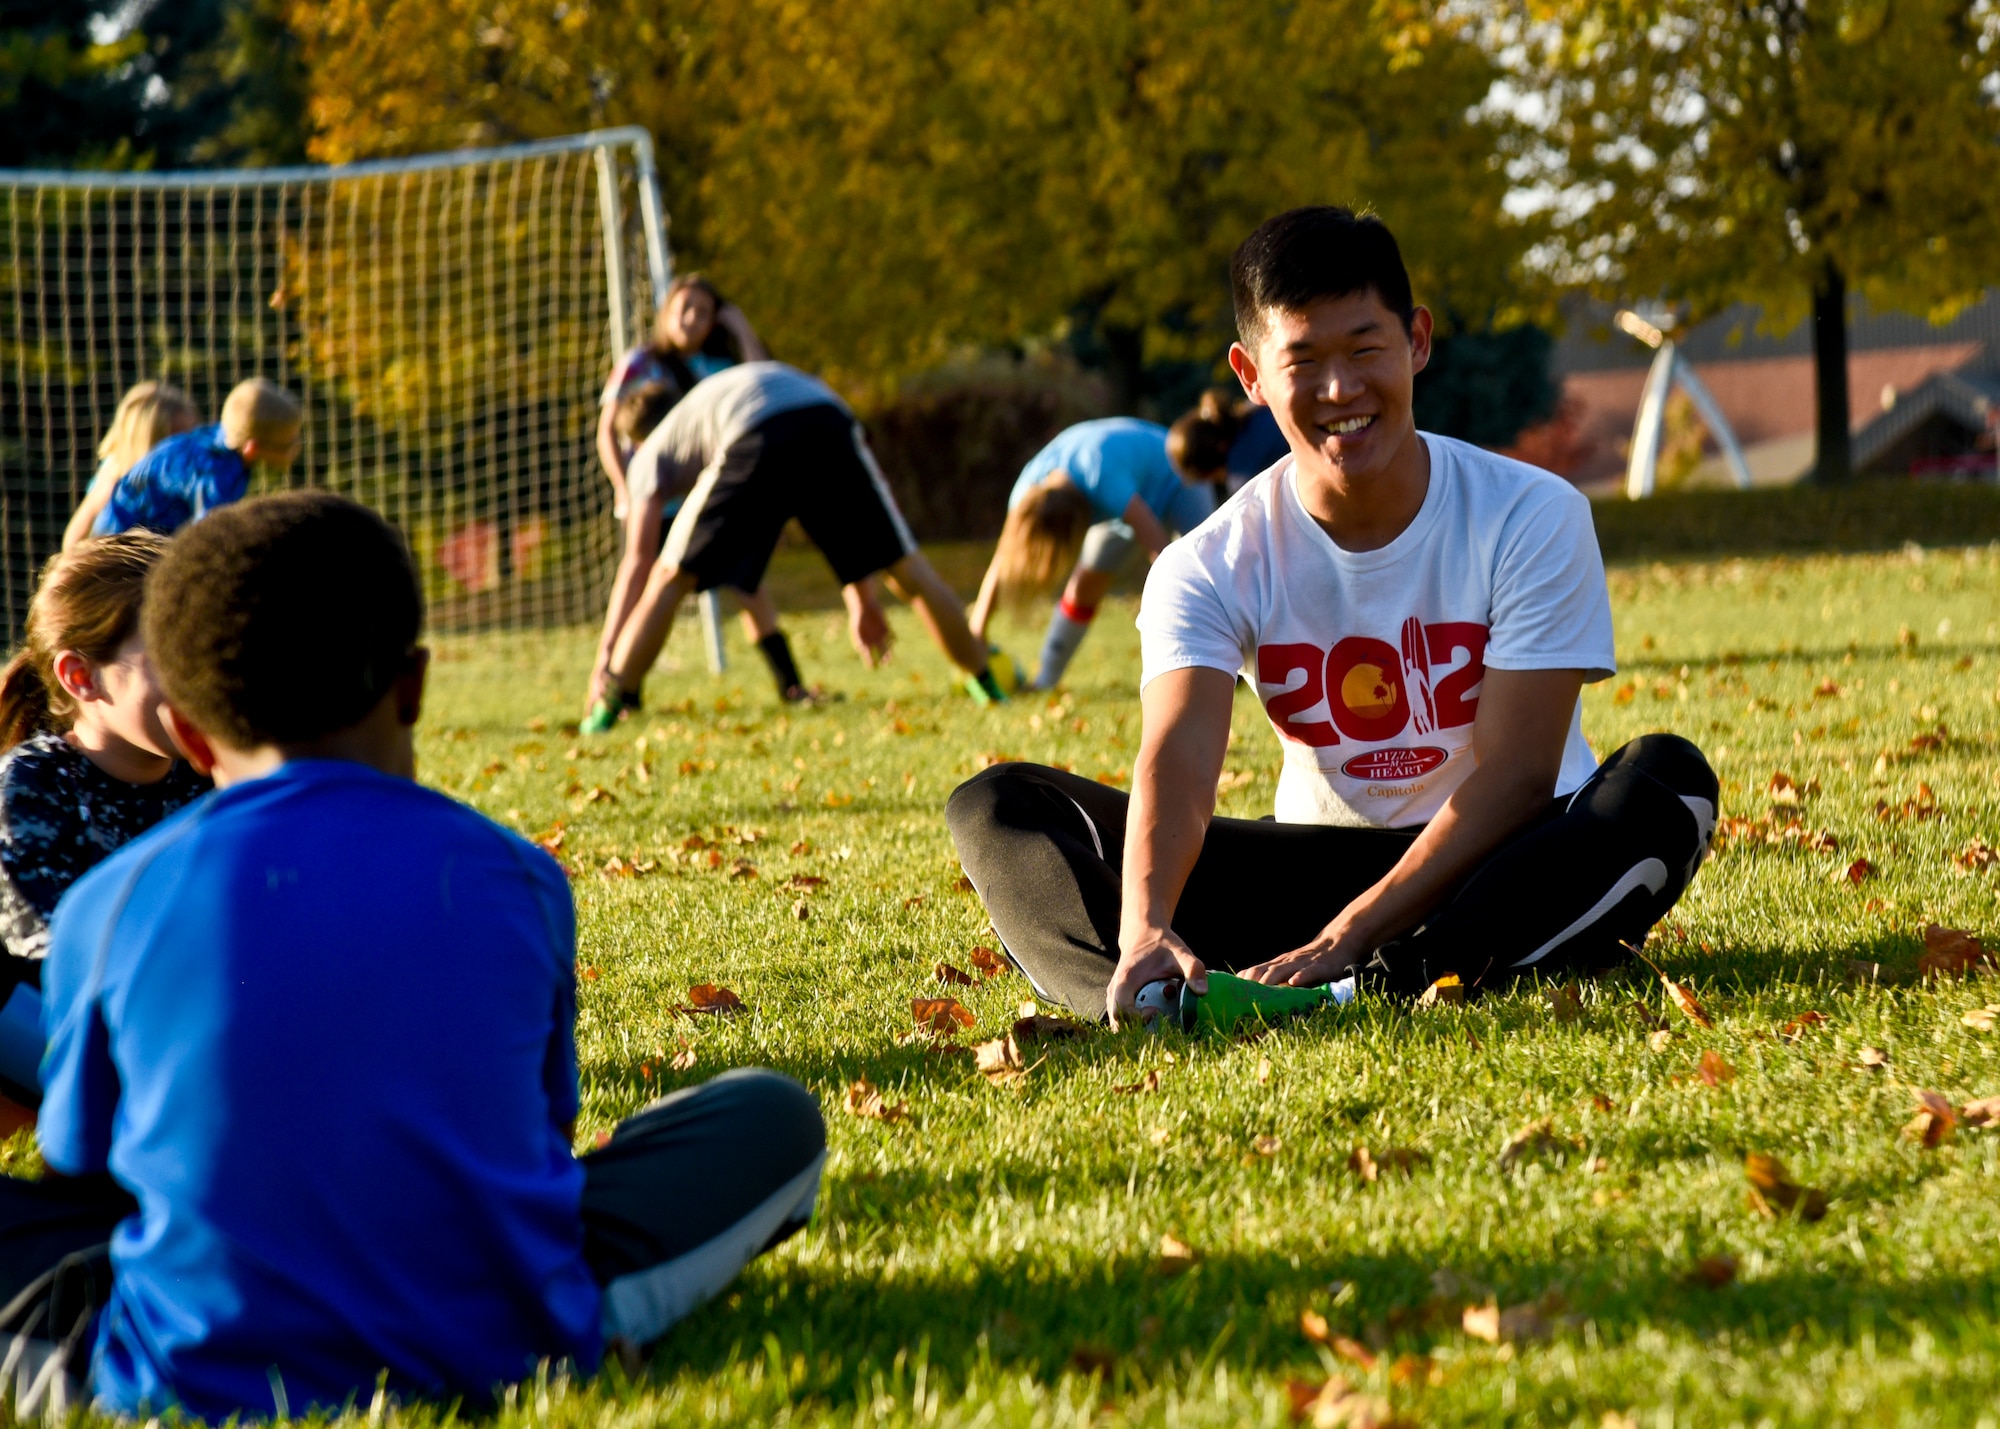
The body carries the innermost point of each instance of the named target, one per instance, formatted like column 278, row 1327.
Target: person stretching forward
column 760, row 444
column 1418, row 617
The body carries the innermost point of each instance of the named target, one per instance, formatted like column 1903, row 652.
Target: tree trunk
column 1835, row 462
column 1125, row 365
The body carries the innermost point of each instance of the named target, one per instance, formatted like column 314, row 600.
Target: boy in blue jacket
column 311, row 1070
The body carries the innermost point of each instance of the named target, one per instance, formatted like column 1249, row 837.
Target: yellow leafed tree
column 884, row 183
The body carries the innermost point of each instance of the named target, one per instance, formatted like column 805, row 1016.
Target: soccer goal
column 447, row 319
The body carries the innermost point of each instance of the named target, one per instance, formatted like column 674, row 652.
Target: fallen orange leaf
column 946, row 973
column 1513, row 1325
column 710, row 998
column 1175, row 1255
column 944, row 1016
column 1685, row 1001
column 1859, row 871
column 988, row 963
column 1035, row 1026
column 999, row 1060
column 1532, row 1140
column 1714, row 1071
column 1772, row 1190
column 1714, row 1271
column 1950, row 952
column 1148, row 1083
column 1801, row 1024
column 1447, row 991
column 1935, row 1121
column 865, row 1100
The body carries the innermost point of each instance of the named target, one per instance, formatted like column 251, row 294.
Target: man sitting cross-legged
column 1418, row 617
column 311, row 1069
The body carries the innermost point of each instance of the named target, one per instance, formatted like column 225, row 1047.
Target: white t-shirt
column 1369, row 662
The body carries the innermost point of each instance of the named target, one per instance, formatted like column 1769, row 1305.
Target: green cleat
column 984, row 689
column 606, row 713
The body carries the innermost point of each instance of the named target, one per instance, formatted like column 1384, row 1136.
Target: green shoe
column 984, row 689
column 606, row 713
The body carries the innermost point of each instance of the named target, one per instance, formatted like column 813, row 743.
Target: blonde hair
column 1043, row 534
column 88, row 601
column 258, row 410
column 1198, row 444
column 147, row 415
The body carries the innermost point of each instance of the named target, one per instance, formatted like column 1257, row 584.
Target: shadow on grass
column 1121, row 1314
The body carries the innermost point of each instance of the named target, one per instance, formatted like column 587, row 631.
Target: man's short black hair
column 282, row 619
column 1306, row 254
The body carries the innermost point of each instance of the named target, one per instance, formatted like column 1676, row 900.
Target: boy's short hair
column 1306, row 254
column 283, row 618
column 258, row 410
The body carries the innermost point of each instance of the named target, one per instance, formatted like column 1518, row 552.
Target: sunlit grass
column 994, row 1259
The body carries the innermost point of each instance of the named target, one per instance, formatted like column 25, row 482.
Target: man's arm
column 1146, row 526
column 867, row 623
column 608, row 450
column 1517, row 739
column 642, row 548
column 1184, row 737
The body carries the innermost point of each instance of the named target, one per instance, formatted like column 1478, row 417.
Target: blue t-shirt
column 1258, row 446
column 1111, row 461
column 179, row 481
column 320, row 1025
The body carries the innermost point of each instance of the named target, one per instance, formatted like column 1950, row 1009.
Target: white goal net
column 447, row 320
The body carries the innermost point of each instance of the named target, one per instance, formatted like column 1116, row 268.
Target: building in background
column 1925, row 398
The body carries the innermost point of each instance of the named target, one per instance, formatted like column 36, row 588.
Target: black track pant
column 685, row 1193
column 1044, row 850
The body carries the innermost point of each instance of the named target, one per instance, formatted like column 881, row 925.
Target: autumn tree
column 1783, row 153
column 885, row 183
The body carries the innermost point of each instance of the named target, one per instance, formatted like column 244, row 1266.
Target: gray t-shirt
column 716, row 413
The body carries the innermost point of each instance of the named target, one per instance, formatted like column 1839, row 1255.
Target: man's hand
column 1331, row 955
column 867, row 625
column 1157, row 954
column 1518, row 737
column 1181, row 744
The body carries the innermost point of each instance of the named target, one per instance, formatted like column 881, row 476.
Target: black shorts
column 811, row 463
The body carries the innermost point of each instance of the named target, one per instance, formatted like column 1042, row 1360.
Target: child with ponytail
column 1089, row 497
column 88, row 765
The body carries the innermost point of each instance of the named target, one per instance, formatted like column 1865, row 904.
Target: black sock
column 777, row 652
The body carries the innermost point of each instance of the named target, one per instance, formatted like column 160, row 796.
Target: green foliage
column 885, row 183
column 1487, row 386
column 178, row 82
column 67, row 99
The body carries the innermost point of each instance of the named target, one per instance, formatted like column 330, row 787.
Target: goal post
column 446, row 319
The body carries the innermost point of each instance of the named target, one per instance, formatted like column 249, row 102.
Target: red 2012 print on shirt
column 1374, row 690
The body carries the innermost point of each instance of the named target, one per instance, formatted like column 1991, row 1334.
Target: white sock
column 1067, row 627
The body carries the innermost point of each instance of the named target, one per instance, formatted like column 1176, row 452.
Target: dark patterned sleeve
column 34, row 868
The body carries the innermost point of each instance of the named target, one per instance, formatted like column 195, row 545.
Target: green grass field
column 996, row 1257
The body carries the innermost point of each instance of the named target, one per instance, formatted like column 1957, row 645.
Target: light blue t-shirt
column 1111, row 460
column 320, row 1025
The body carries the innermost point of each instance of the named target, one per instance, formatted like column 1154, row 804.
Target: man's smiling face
column 1338, row 376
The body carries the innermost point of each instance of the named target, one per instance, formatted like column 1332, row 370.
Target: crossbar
column 638, row 137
